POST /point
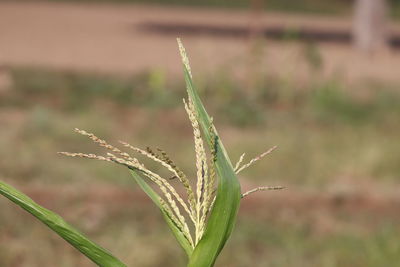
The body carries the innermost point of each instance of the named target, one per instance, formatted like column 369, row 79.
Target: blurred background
column 319, row 79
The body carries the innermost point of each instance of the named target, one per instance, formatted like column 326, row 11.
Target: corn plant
column 201, row 221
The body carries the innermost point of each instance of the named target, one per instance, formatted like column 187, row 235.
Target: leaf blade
column 94, row 252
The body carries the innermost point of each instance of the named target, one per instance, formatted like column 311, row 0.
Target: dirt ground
column 112, row 38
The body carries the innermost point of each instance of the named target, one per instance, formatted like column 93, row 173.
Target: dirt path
column 111, row 38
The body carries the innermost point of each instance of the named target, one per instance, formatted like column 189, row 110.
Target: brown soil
column 111, row 38
column 326, row 210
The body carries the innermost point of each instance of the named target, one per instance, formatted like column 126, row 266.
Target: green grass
column 327, row 99
column 72, row 91
column 329, row 120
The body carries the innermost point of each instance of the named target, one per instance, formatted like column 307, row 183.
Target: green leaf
column 97, row 254
column 223, row 215
column 156, row 199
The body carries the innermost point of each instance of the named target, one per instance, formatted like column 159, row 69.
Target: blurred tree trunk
column 256, row 42
column 256, row 30
column 370, row 25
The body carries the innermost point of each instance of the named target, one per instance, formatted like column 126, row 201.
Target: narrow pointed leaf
column 94, row 252
column 156, row 199
column 224, row 212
